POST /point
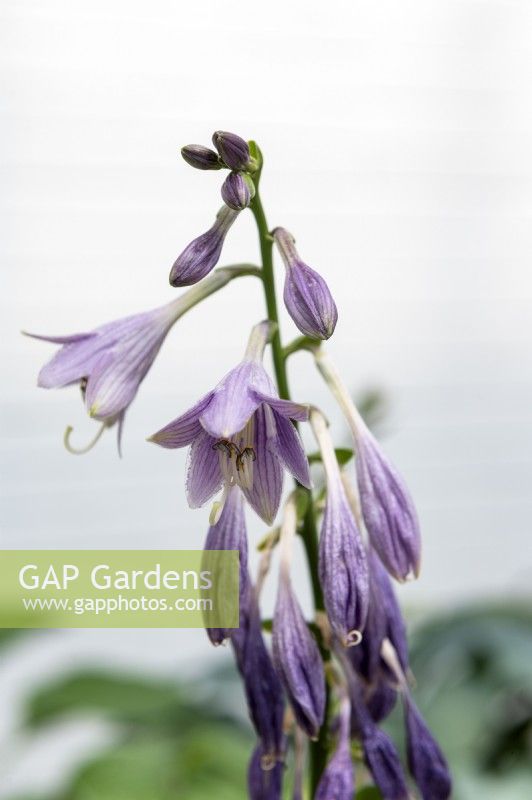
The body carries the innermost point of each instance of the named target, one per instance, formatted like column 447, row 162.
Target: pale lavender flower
column 264, row 784
column 343, row 567
column 306, row 295
column 387, row 508
column 263, row 689
column 298, row 661
column 109, row 363
column 201, row 157
column 240, row 433
column 202, row 254
column 233, row 150
column 229, row 533
column 425, row 758
column 237, row 191
column 338, row 779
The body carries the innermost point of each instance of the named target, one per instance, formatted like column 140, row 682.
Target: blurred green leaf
column 368, row 793
column 343, row 456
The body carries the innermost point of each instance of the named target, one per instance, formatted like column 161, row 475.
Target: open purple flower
column 109, row 363
column 306, row 295
column 241, row 433
column 343, row 565
column 202, row 254
column 338, row 779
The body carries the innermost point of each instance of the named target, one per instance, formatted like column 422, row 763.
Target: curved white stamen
column 81, row 450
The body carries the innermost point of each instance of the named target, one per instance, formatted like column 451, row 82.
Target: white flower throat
column 237, row 455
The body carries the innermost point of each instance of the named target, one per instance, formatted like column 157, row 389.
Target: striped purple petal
column 290, row 450
column 232, row 402
column 204, row 477
column 264, row 495
column 182, row 431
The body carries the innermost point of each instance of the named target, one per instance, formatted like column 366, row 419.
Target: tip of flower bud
column 353, row 638
column 238, row 190
column 201, row 157
column 233, row 150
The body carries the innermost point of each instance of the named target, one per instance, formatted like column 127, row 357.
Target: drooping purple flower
column 298, row 661
column 263, row 689
column 229, row 533
column 384, row 620
column 380, row 698
column 343, row 568
column 237, row 191
column 233, row 150
column 387, row 508
column 110, row 362
column 426, row 761
column 264, row 784
column 201, row 157
column 388, row 511
column 380, row 753
column 338, row 779
column 202, row 254
column 306, row 295
column 240, row 433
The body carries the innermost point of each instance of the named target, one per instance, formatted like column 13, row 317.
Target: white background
column 397, row 139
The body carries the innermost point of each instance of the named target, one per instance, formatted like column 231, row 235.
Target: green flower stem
column 309, row 535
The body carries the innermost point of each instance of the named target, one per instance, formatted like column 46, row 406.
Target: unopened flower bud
column 263, row 689
column 343, row 567
column 201, row 255
column 233, row 150
column 229, row 533
column 338, row 778
column 425, row 759
column 237, row 191
column 201, row 157
column 264, row 784
column 297, row 660
column 306, row 295
column 387, row 508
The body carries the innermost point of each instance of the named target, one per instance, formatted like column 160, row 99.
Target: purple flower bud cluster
column 374, row 683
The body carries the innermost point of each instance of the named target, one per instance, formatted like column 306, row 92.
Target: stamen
column 83, row 387
column 82, row 450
